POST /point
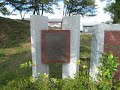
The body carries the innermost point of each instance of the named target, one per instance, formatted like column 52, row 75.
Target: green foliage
column 20, row 6
column 27, row 64
column 82, row 80
column 107, row 71
column 43, row 83
column 24, row 6
column 3, row 8
column 113, row 7
column 79, row 7
column 85, row 45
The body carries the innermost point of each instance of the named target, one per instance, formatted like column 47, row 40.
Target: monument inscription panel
column 112, row 44
column 55, row 46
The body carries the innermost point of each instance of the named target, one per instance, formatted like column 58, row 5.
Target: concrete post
column 37, row 24
column 97, row 45
column 96, row 49
column 72, row 23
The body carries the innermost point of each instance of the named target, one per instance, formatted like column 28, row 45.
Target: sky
column 101, row 16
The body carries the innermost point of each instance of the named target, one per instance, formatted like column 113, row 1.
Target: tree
column 113, row 8
column 3, row 8
column 21, row 6
column 82, row 7
column 38, row 7
column 41, row 5
column 10, row 6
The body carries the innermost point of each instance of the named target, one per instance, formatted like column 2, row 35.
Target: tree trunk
column 37, row 7
column 38, row 13
column 42, row 10
column 34, row 12
column 21, row 14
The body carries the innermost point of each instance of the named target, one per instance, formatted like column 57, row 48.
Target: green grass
column 85, row 45
column 85, row 49
column 15, row 49
column 55, row 70
column 13, row 32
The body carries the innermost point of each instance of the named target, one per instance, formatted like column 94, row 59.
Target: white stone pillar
column 97, row 45
column 96, row 49
column 72, row 23
column 38, row 23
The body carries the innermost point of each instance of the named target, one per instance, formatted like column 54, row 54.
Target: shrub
column 107, row 71
column 82, row 81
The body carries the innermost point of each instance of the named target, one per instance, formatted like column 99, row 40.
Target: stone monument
column 66, row 41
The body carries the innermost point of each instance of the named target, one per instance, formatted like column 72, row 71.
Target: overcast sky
column 101, row 16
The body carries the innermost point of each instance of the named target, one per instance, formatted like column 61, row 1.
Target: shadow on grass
column 10, row 69
column 55, row 70
column 13, row 32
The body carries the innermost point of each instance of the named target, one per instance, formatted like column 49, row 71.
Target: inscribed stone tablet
column 112, row 44
column 55, row 46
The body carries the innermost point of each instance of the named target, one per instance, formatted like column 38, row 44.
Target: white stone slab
column 38, row 23
column 72, row 23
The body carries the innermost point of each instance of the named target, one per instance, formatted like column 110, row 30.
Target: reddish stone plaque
column 55, row 46
column 112, row 44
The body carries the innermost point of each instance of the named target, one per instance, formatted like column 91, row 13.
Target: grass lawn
column 15, row 49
